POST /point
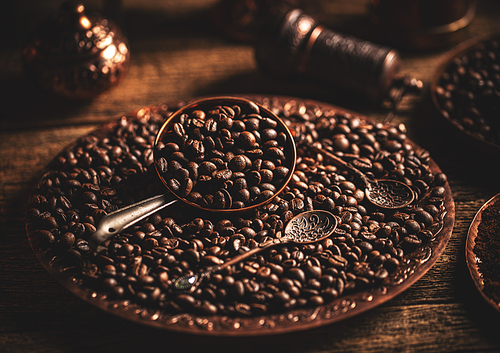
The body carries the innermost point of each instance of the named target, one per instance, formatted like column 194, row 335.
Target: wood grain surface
column 176, row 55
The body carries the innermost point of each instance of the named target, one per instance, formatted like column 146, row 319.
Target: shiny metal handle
column 253, row 251
column 117, row 221
column 190, row 283
column 343, row 164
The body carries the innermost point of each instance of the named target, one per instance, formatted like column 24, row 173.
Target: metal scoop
column 115, row 222
column 384, row 193
column 306, row 227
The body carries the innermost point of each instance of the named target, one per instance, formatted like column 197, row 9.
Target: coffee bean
column 238, row 163
column 424, row 217
column 314, row 271
column 282, row 298
column 247, row 140
column 207, row 168
column 223, row 175
column 275, row 153
column 412, row 226
column 269, row 134
column 298, row 274
column 242, row 195
column 237, row 289
column 45, row 238
column 253, row 122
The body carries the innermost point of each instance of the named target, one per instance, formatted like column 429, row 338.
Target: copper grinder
column 294, row 44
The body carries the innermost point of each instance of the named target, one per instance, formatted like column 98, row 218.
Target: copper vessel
column 76, row 55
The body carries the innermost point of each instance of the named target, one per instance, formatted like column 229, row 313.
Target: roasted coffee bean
column 238, row 163
column 412, row 226
column 424, row 217
column 297, row 273
column 253, row 122
column 247, row 140
column 266, row 176
column 223, row 175
column 45, row 238
column 313, row 271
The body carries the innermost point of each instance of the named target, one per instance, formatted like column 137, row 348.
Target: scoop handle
column 261, row 247
column 118, row 220
column 190, row 283
column 337, row 160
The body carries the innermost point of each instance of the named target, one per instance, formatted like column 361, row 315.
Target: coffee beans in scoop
column 225, row 154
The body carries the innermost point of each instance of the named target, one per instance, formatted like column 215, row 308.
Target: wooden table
column 175, row 56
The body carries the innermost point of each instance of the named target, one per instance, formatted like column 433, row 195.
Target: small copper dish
column 473, row 259
column 468, row 111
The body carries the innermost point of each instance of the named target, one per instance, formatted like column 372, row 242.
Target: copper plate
column 454, row 53
column 339, row 309
column 472, row 259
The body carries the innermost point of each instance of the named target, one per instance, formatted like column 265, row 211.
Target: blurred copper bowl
column 474, row 139
column 422, row 24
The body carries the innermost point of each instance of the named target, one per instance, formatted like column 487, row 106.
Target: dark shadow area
column 484, row 317
column 458, row 155
column 143, row 24
column 24, row 103
column 261, row 84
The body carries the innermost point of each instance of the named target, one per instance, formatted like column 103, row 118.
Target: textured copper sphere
column 75, row 55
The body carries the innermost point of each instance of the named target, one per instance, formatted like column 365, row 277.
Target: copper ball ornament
column 75, row 55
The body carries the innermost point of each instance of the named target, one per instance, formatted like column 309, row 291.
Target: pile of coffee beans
column 225, row 156
column 469, row 91
column 487, row 248
column 114, row 167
